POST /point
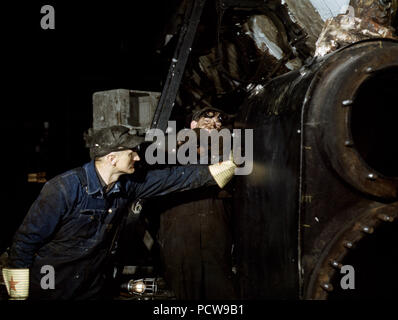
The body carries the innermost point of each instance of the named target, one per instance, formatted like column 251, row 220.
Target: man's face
column 208, row 121
column 124, row 161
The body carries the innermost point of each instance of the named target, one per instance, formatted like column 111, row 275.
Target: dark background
column 50, row 76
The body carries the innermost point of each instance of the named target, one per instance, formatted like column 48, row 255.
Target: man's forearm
column 22, row 252
column 178, row 178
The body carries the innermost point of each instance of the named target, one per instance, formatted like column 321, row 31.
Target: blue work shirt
column 71, row 227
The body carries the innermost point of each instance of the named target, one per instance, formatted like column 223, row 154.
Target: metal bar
column 177, row 67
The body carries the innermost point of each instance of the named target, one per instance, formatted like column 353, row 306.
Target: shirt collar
column 94, row 185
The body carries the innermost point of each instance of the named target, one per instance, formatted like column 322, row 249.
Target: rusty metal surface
column 366, row 19
column 378, row 11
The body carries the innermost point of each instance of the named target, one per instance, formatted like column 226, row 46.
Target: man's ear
column 194, row 124
column 111, row 158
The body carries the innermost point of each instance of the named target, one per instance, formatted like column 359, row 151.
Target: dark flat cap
column 110, row 139
column 196, row 115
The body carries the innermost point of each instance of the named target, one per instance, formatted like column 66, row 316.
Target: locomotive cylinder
column 325, row 170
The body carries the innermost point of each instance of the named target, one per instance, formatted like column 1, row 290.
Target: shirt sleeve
column 38, row 225
column 173, row 179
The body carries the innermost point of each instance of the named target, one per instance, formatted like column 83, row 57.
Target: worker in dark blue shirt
column 73, row 225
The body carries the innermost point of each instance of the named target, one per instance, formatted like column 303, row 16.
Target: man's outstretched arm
column 181, row 178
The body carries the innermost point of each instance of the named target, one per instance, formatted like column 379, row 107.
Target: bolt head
column 385, row 218
column 327, row 286
column 367, row 229
column 348, row 244
column 348, row 143
column 372, row 176
column 347, row 102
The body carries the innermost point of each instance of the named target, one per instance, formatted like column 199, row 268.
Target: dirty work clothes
column 195, row 238
column 71, row 227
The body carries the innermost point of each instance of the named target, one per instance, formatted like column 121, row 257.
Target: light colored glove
column 17, row 283
column 223, row 172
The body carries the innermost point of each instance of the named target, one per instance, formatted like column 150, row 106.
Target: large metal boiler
column 325, row 173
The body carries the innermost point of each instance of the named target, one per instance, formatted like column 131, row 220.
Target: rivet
column 369, row 70
column 348, row 244
column 335, row 264
column 385, row 217
column 349, row 143
column 367, row 229
column 347, row 102
column 327, row 286
column 372, row 176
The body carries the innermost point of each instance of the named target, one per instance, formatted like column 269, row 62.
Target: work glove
column 223, row 172
column 17, row 283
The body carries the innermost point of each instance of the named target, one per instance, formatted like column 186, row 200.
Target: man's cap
column 197, row 114
column 110, row 139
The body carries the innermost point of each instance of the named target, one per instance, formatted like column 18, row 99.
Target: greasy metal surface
column 366, row 221
column 310, row 198
column 341, row 197
column 267, row 200
column 331, row 107
column 236, row 46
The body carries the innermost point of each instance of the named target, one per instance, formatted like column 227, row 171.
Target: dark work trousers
column 195, row 238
